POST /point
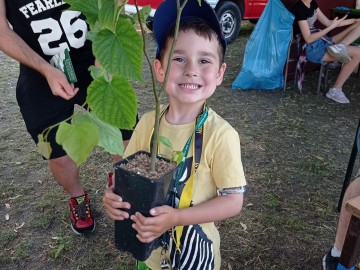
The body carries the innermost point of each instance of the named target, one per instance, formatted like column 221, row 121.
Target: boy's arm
column 166, row 217
column 15, row 47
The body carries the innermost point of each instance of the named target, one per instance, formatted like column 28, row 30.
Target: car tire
column 229, row 15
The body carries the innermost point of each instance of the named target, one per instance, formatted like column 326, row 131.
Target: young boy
column 213, row 173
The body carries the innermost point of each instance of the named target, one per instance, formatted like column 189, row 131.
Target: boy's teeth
column 190, row 86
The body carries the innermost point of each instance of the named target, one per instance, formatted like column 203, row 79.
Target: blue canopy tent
column 266, row 50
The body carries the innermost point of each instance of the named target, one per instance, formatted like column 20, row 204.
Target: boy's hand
column 150, row 228
column 112, row 202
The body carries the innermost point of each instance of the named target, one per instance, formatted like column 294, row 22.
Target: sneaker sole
column 324, row 262
column 340, row 57
column 332, row 98
column 85, row 231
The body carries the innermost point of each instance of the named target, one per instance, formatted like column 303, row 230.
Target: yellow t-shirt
column 220, row 167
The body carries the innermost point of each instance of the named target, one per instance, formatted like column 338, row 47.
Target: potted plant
column 119, row 48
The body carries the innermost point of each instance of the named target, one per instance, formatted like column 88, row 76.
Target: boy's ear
column 159, row 71
column 220, row 75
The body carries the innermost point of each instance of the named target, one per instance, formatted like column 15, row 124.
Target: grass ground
column 295, row 150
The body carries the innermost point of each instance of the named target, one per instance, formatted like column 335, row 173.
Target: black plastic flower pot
column 143, row 194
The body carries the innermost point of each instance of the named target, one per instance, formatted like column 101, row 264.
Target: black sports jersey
column 48, row 28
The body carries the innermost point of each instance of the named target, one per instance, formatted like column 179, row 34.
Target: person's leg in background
column 350, row 58
column 331, row 259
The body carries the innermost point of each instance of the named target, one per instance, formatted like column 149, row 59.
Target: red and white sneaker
column 81, row 217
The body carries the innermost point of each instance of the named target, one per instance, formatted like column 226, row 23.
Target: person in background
column 331, row 259
column 321, row 48
column 39, row 35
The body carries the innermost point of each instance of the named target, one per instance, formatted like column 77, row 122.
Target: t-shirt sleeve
column 314, row 4
column 299, row 13
column 227, row 168
column 140, row 140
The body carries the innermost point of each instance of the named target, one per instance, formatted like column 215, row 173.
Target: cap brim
column 166, row 13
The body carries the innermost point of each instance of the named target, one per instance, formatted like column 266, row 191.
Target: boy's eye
column 178, row 59
column 204, row 61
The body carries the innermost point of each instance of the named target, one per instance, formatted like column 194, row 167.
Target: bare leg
column 349, row 35
column 66, row 173
column 352, row 191
column 347, row 69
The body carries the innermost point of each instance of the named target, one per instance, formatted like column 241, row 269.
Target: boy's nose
column 190, row 70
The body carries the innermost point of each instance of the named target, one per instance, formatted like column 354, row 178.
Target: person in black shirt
column 320, row 48
column 41, row 33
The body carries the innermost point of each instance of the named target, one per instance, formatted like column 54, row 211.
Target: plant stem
column 162, row 89
column 157, row 94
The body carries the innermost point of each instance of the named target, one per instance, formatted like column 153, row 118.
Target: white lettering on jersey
column 48, row 4
column 51, row 31
column 24, row 11
column 40, row 7
column 77, row 27
column 32, row 9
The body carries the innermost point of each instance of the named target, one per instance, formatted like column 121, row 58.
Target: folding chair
column 323, row 73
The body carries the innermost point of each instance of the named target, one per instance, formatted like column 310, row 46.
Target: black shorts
column 41, row 109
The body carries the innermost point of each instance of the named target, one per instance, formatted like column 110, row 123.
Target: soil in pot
column 143, row 193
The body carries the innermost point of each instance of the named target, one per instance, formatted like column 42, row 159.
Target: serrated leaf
column 113, row 102
column 120, row 53
column 107, row 13
column 110, row 137
column 89, row 8
column 78, row 140
column 165, row 141
column 144, row 13
column 43, row 147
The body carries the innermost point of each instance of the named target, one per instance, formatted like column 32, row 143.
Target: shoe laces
column 81, row 210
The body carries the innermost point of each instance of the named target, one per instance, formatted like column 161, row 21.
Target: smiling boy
column 212, row 174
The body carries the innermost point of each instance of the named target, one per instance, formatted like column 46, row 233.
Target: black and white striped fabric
column 197, row 251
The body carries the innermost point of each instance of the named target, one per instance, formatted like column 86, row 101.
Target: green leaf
column 89, row 8
column 165, row 141
column 78, row 140
column 113, row 102
column 110, row 137
column 144, row 13
column 43, row 147
column 95, row 72
column 180, row 156
column 120, row 53
column 59, row 249
column 107, row 13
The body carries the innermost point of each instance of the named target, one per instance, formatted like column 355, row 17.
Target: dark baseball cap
column 165, row 19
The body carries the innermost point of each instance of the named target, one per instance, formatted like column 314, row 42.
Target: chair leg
column 320, row 79
column 287, row 66
column 326, row 76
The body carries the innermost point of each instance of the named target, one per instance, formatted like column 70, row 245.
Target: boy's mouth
column 190, row 86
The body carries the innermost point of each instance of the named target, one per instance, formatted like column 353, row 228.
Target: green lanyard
column 199, row 123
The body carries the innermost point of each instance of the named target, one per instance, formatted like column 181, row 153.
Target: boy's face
column 195, row 70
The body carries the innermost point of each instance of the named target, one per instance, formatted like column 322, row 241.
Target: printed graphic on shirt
column 183, row 179
column 197, row 251
column 311, row 21
column 52, row 43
